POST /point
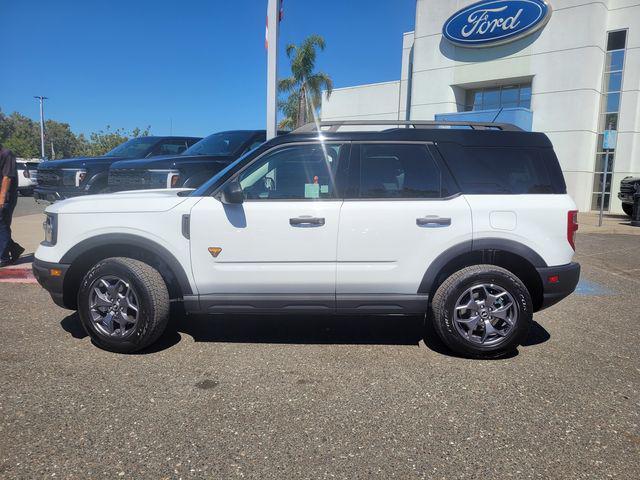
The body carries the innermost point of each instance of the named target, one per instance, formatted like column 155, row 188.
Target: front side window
column 134, row 148
column 170, row 147
column 398, row 171
column 297, row 172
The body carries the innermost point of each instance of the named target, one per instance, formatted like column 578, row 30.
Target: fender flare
column 134, row 241
column 479, row 245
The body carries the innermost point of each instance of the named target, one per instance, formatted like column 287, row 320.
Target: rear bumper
column 554, row 291
column 53, row 284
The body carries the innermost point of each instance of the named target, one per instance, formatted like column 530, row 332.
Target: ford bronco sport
column 468, row 224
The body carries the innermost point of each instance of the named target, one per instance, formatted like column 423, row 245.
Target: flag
column 266, row 33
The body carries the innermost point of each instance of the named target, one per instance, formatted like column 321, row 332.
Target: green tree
column 61, row 142
column 304, row 86
column 104, row 140
column 23, row 136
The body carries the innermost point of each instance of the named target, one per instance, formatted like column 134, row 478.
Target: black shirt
column 8, row 169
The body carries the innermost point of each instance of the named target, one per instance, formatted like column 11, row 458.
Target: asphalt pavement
column 270, row 397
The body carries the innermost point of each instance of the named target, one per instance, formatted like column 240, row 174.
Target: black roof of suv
column 452, row 139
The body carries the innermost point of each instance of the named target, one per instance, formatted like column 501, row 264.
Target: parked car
column 60, row 179
column 472, row 226
column 628, row 187
column 190, row 169
column 27, row 174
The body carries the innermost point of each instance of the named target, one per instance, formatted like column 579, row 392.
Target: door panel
column 283, row 238
column 261, row 251
column 382, row 249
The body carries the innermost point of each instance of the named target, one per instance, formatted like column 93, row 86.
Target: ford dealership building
column 568, row 68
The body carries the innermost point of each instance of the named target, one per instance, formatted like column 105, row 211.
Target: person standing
column 10, row 251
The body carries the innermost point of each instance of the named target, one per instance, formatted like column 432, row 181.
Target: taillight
column 572, row 228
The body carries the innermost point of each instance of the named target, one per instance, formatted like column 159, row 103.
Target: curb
column 17, row 274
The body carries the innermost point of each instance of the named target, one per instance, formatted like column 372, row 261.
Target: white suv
column 468, row 224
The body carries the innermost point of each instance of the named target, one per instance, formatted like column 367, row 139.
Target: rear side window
column 394, row 171
column 504, row 170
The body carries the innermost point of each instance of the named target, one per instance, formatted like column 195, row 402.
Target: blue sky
column 200, row 63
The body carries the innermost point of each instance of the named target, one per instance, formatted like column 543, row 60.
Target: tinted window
column 497, row 170
column 134, row 148
column 398, row 171
column 297, row 172
column 223, row 143
column 171, row 147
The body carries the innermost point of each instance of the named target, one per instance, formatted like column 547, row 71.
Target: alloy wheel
column 114, row 306
column 485, row 314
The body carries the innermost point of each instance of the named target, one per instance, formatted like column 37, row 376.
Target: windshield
column 134, row 148
column 223, row 143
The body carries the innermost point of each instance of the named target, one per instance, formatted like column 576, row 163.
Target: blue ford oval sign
column 494, row 22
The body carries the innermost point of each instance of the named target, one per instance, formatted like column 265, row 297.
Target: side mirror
column 232, row 193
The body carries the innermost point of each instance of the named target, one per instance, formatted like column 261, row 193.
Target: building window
column 505, row 96
column 608, row 121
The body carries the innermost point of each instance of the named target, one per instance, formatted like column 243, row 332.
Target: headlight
column 73, row 176
column 80, row 176
column 50, row 227
column 165, row 178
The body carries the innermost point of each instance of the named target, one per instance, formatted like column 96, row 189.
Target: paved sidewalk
column 611, row 224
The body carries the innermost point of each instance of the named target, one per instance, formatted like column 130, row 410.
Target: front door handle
column 306, row 221
column 433, row 221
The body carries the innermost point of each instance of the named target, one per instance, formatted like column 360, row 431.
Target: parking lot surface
column 249, row 397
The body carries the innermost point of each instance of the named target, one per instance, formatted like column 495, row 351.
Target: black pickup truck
column 60, row 179
column 628, row 187
column 188, row 170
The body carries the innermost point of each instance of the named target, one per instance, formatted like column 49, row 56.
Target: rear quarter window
column 504, row 170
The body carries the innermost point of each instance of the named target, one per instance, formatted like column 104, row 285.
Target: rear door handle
column 306, row 221
column 433, row 221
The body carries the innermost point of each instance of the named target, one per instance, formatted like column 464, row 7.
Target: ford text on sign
column 495, row 22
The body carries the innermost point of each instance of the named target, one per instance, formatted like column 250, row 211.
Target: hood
column 138, row 201
column 155, row 163
column 80, row 162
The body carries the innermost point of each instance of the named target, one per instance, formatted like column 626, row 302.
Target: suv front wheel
column 123, row 304
column 482, row 311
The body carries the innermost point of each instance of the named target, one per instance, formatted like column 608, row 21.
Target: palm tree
column 304, row 86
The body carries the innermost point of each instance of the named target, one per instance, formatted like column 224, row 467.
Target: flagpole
column 273, row 28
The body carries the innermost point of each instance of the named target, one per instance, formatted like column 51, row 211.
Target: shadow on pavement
column 373, row 330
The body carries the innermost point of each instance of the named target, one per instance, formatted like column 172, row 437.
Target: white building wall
column 377, row 101
column 564, row 61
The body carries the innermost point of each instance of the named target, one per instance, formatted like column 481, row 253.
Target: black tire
column 153, row 304
column 444, row 303
column 627, row 208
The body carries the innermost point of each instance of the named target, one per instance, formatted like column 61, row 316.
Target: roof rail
column 334, row 126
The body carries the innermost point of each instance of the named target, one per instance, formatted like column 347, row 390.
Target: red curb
column 18, row 274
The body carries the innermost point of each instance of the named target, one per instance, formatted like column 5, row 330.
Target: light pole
column 42, row 99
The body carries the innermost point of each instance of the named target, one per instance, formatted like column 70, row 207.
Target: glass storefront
column 608, row 121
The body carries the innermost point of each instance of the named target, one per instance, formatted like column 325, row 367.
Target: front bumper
column 625, row 197
column 52, row 195
column 53, row 284
column 558, row 283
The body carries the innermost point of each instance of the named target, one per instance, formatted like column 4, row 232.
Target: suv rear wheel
column 482, row 311
column 123, row 304
column 627, row 208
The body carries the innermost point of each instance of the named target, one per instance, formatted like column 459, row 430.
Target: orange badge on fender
column 214, row 251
